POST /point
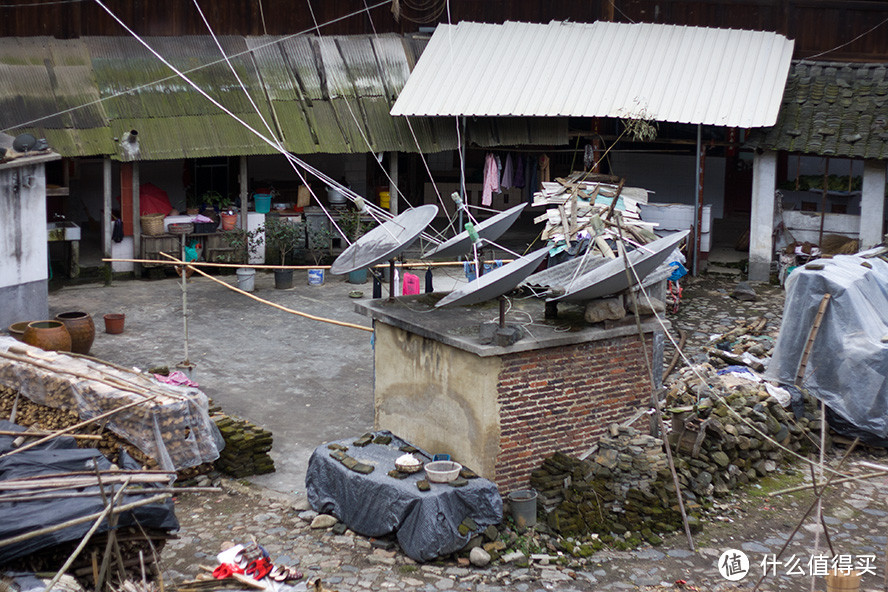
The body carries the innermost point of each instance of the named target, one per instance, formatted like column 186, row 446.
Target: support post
column 106, row 207
column 244, row 194
column 872, row 204
column 137, row 220
column 698, row 195
column 393, row 187
column 761, row 219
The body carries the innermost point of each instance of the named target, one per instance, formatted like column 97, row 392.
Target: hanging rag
column 544, row 169
column 491, row 180
column 588, row 157
column 518, row 177
column 508, row 172
column 532, row 178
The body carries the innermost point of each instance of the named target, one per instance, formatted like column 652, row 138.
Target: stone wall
column 563, row 399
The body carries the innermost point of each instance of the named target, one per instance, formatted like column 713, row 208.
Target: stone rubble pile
column 246, row 447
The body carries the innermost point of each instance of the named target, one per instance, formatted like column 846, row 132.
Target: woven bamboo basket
column 152, row 224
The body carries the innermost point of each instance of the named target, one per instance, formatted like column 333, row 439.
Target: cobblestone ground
column 753, row 521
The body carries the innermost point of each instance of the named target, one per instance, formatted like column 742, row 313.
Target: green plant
column 244, row 244
column 354, row 224
column 284, row 235
column 216, row 199
column 319, row 241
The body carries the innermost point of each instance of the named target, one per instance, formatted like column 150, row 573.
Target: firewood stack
column 576, row 203
column 171, row 425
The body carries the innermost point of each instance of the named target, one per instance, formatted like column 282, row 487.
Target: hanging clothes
column 491, row 180
column 532, row 177
column 518, row 177
column 508, row 172
column 544, row 169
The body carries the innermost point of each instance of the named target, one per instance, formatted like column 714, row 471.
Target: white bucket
column 246, row 279
column 315, row 277
column 335, row 197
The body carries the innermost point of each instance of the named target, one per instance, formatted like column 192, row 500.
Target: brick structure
column 502, row 410
column 563, row 399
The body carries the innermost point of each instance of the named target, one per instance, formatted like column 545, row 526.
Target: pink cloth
column 411, row 284
column 491, row 180
column 508, row 173
column 176, row 378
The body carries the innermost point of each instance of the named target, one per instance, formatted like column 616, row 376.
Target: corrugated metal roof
column 662, row 72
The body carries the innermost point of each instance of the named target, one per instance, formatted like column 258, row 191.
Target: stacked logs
column 246, row 447
column 171, row 425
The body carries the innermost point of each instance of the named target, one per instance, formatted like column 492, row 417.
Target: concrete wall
column 438, row 397
column 23, row 247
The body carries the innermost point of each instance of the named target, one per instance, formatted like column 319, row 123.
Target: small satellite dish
column 385, row 241
column 611, row 278
column 24, row 142
column 497, row 282
column 490, row 230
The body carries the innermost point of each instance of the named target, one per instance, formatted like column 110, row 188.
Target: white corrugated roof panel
column 722, row 77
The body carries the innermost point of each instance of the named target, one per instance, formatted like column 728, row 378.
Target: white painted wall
column 23, row 247
column 761, row 218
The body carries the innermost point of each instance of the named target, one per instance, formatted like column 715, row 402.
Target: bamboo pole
column 74, row 427
column 75, row 521
column 35, row 434
column 272, row 304
column 407, row 264
column 6, row 498
column 83, row 542
column 835, row 482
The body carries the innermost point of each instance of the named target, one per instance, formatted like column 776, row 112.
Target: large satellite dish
column 611, row 278
column 386, row 241
column 497, row 282
column 490, row 230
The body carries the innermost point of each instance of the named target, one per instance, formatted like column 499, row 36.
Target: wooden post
column 393, row 187
column 244, row 191
column 137, row 221
column 106, row 207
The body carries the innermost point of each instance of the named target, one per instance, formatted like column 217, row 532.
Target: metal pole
column 462, row 172
column 183, row 269
column 696, row 226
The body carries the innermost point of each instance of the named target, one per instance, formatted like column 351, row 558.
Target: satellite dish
column 385, row 241
column 497, row 282
column 611, row 278
column 24, row 142
column 490, row 230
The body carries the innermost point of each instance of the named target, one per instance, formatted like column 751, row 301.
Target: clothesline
column 519, row 172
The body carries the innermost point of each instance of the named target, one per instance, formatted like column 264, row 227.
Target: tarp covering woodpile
column 169, row 424
column 848, row 359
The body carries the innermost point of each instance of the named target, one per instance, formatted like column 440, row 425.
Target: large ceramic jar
column 48, row 335
column 81, row 328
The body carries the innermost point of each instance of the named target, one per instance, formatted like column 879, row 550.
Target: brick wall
column 563, row 399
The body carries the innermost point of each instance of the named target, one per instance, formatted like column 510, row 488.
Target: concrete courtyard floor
column 310, row 382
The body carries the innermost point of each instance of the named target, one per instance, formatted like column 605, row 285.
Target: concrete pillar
column 106, row 207
column 872, row 203
column 393, row 188
column 761, row 219
column 137, row 219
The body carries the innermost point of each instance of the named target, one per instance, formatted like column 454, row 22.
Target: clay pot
column 114, row 322
column 81, row 328
column 229, row 221
column 17, row 330
column 48, row 335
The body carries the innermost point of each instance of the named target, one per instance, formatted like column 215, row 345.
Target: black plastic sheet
column 61, row 455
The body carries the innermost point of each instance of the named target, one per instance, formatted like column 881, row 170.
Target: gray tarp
column 426, row 523
column 848, row 365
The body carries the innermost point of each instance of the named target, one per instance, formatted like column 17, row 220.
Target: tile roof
column 832, row 109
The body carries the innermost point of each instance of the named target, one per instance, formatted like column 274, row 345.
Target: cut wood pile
column 166, row 423
column 580, row 203
column 246, row 447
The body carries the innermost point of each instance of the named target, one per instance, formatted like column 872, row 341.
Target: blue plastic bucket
column 263, row 202
column 315, row 277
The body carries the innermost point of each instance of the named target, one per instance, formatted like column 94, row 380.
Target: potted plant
column 283, row 236
column 220, row 204
column 244, row 244
column 318, row 245
column 353, row 225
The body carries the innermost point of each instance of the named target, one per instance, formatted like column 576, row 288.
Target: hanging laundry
column 508, row 172
column 588, row 157
column 491, row 180
column 544, row 169
column 518, row 177
column 532, row 178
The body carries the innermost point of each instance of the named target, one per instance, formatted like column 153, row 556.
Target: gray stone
column 513, row 556
column 744, row 292
column 444, row 584
column 323, row 521
column 479, row 557
column 650, row 554
column 307, row 515
column 755, row 548
column 647, row 308
column 605, row 309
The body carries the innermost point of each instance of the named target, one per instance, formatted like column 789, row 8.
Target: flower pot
column 283, row 279
column 315, row 277
column 359, row 276
column 114, row 322
column 17, row 330
column 246, row 279
column 229, row 221
column 81, row 328
column 48, row 335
